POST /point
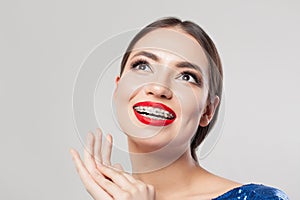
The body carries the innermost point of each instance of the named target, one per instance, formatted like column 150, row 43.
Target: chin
column 147, row 145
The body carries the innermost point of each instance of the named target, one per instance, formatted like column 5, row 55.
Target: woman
column 167, row 98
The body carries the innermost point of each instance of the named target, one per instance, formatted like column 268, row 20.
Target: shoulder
column 254, row 192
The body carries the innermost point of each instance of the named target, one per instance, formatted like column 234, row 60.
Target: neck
column 165, row 176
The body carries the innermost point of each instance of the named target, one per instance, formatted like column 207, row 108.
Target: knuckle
column 141, row 187
column 134, row 191
column 150, row 188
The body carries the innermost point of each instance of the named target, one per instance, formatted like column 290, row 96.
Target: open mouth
column 152, row 113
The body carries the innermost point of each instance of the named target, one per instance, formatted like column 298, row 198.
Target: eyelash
column 193, row 75
column 139, row 62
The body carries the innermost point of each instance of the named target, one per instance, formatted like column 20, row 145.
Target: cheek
column 124, row 89
column 192, row 101
column 128, row 87
column 192, row 104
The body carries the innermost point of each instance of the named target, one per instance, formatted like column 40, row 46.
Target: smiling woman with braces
column 169, row 90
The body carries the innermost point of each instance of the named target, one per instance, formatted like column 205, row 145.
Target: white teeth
column 153, row 117
column 156, row 111
column 159, row 113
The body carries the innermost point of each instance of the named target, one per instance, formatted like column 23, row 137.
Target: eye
column 141, row 65
column 189, row 77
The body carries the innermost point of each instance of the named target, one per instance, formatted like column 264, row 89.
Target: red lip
column 151, row 121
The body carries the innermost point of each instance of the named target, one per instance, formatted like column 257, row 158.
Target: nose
column 158, row 91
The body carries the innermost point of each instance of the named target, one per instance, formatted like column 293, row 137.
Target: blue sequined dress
column 253, row 192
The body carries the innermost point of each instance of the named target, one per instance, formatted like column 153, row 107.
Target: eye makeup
column 142, row 64
column 197, row 78
column 138, row 62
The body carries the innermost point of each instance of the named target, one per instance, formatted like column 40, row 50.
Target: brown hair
column 216, row 72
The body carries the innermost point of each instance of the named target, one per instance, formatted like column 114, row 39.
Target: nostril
column 158, row 91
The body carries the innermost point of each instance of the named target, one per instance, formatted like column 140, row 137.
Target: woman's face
column 162, row 94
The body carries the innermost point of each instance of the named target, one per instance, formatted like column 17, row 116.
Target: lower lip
column 151, row 121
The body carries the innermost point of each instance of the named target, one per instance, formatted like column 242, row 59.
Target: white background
column 43, row 43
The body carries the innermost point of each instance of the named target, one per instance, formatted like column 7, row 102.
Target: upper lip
column 155, row 105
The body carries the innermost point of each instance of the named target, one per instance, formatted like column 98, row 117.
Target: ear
column 117, row 82
column 209, row 112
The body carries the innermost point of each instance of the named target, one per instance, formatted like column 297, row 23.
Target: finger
column 107, row 150
column 110, row 187
column 98, row 153
column 151, row 190
column 117, row 177
column 89, row 152
column 92, row 187
column 130, row 178
column 118, row 166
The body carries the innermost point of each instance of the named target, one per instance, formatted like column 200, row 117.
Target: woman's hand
column 103, row 181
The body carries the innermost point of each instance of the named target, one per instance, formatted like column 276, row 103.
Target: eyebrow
column 189, row 65
column 147, row 54
column 183, row 64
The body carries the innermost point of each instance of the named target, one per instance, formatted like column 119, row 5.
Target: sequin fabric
column 253, row 192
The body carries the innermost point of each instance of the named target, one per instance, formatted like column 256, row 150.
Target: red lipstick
column 154, row 113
